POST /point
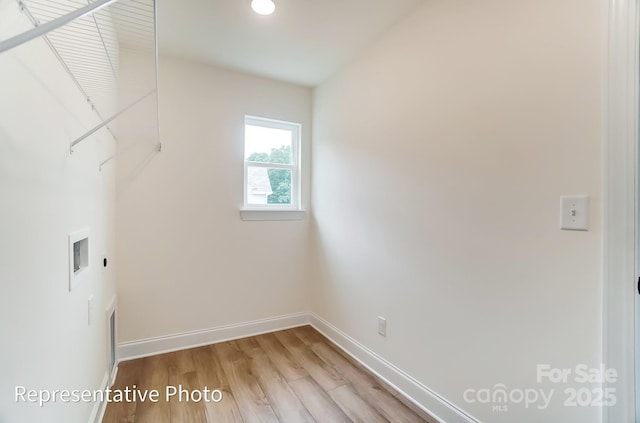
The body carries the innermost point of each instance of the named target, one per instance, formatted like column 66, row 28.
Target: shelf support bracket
column 109, row 120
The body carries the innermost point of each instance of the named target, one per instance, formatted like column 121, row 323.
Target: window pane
column 267, row 145
column 280, row 185
column 268, row 186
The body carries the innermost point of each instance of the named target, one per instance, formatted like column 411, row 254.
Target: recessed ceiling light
column 263, row 7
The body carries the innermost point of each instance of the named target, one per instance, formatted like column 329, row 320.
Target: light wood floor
column 291, row 376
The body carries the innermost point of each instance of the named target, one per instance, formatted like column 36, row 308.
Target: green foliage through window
column 280, row 178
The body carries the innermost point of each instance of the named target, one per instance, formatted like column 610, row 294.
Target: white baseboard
column 97, row 413
column 423, row 397
column 181, row 341
column 114, row 374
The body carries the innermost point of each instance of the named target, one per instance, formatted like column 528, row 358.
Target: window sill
column 252, row 215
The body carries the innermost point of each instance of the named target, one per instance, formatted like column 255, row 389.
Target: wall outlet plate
column 89, row 309
column 574, row 213
column 382, row 326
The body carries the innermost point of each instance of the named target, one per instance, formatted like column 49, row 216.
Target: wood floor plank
column 420, row 412
column 393, row 391
column 211, row 375
column 310, row 336
column 184, row 379
column 358, row 410
column 318, row 402
column 252, row 402
column 295, row 375
column 283, row 400
column 281, row 358
column 154, row 374
column 128, row 376
column 322, row 373
column 249, row 346
column 367, row 386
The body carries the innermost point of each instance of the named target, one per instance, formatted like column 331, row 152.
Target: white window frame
column 296, row 135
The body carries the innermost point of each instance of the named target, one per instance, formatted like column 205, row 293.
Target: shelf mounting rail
column 89, row 52
column 47, row 27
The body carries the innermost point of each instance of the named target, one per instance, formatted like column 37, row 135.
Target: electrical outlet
column 382, row 326
column 89, row 309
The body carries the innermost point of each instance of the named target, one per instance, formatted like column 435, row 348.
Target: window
column 271, row 164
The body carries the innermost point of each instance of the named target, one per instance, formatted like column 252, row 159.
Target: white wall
column 186, row 261
column 46, row 193
column 439, row 157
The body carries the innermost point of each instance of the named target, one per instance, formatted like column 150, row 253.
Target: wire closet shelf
column 87, row 37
